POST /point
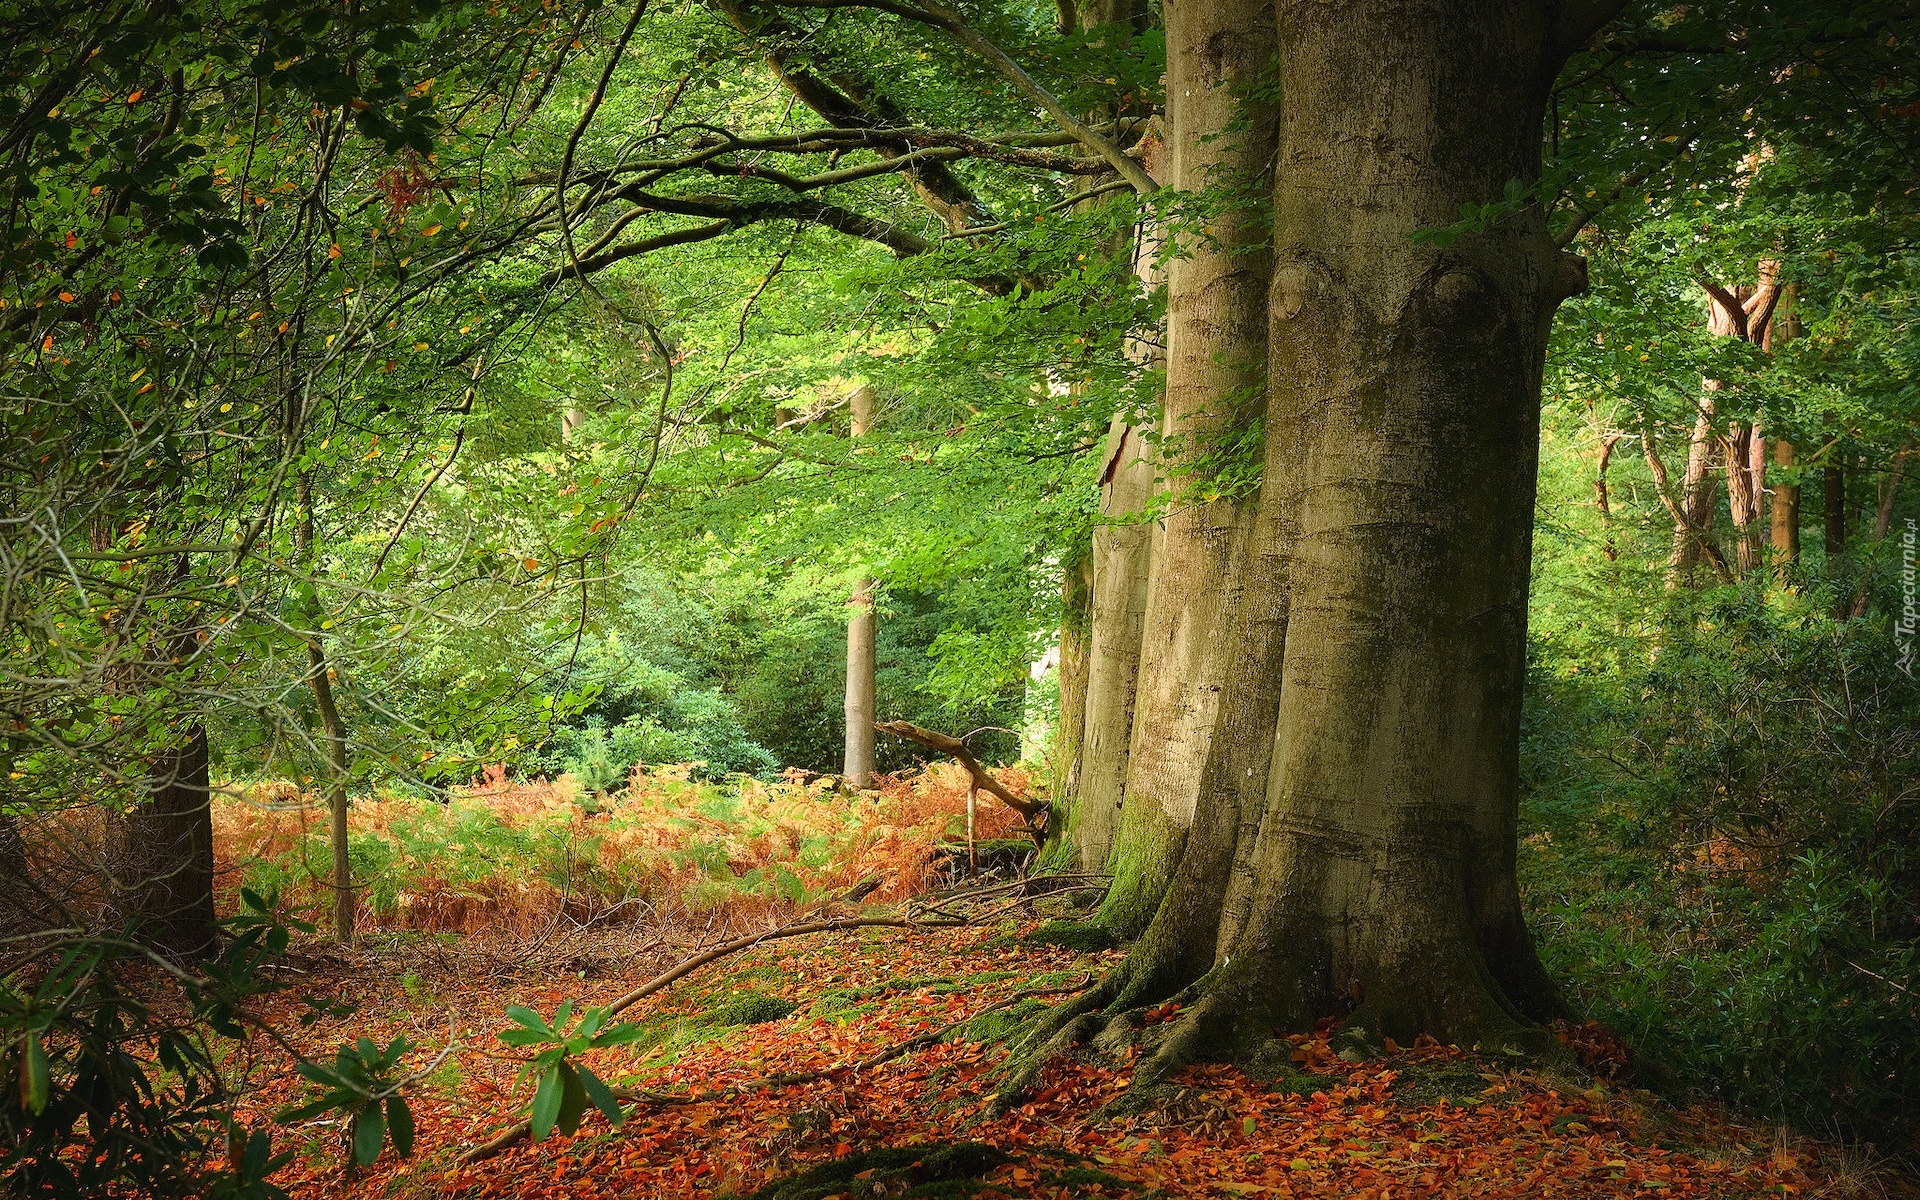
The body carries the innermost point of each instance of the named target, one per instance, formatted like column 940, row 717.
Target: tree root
column 1109, row 1017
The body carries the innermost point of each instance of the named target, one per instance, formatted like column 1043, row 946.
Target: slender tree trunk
column 1076, row 586
column 1784, row 512
column 1693, row 530
column 1122, row 549
column 1601, row 499
column 858, row 765
column 164, row 855
column 1883, row 516
column 320, row 677
column 1833, row 507
column 1746, row 484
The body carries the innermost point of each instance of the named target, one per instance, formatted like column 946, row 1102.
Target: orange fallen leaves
column 1360, row 1131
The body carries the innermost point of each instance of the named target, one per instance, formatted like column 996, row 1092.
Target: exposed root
column 1109, row 1017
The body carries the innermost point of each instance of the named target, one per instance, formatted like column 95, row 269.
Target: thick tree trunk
column 858, row 763
column 1354, row 842
column 1215, row 396
column 163, row 854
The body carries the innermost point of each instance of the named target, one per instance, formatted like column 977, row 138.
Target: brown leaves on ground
column 1425, row 1120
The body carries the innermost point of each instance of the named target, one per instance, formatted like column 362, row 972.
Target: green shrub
column 1721, row 858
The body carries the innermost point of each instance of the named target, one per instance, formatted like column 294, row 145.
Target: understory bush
column 507, row 854
column 1721, row 860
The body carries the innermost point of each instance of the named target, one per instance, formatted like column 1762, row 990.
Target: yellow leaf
column 429, row 231
column 333, row 251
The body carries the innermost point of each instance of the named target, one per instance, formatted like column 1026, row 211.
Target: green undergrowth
column 706, row 1016
column 946, row 1172
column 1087, row 937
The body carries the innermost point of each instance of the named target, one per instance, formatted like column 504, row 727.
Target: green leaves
column 362, row 1085
column 565, row 1087
column 36, row 1084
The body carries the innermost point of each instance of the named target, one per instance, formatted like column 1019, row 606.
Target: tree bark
column 164, row 853
column 1784, row 513
column 320, row 678
column 858, row 762
column 1357, row 858
column 1217, row 280
column 1076, row 585
column 1693, row 536
column 1122, row 549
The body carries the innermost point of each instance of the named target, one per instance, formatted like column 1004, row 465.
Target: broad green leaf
column 546, row 1103
column 369, row 1130
column 524, row 1037
column 602, row 1096
column 400, row 1125
column 529, row 1018
column 573, row 1099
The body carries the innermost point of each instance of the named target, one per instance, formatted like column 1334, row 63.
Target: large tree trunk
column 1122, row 548
column 1353, row 845
column 1215, row 396
column 1117, row 565
column 163, row 853
column 858, row 763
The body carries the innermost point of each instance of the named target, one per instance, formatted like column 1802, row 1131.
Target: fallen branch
column 1034, row 812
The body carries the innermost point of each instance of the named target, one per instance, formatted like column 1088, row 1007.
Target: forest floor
column 1423, row 1121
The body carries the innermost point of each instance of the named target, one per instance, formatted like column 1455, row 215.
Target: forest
column 813, row 599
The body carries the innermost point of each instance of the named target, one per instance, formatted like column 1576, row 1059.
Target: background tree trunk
column 858, row 764
column 1693, row 533
column 1122, row 549
column 1833, row 506
column 163, row 853
column 320, row 680
column 1784, row 512
column 1076, row 586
